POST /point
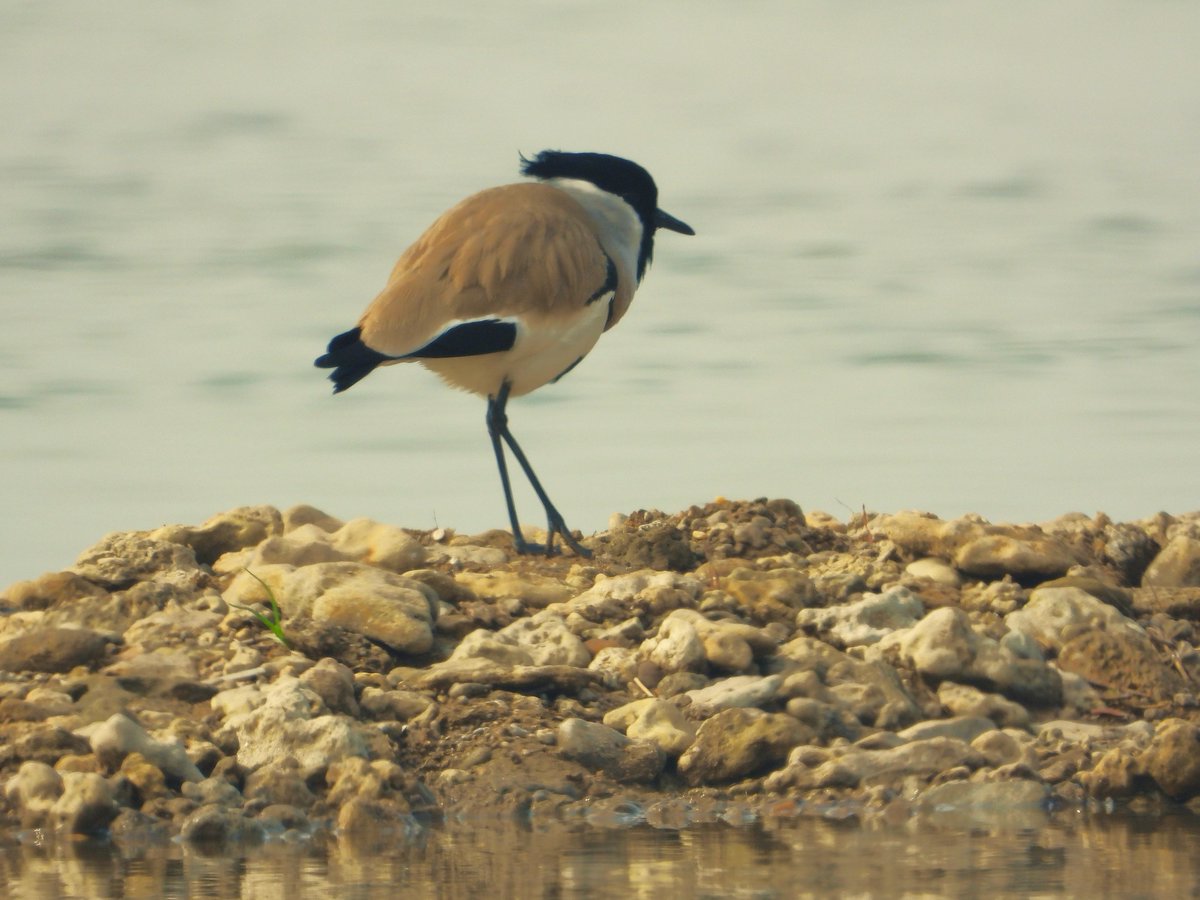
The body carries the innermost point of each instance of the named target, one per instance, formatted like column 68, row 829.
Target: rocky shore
column 736, row 660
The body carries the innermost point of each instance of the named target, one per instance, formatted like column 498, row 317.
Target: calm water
column 948, row 257
column 1120, row 857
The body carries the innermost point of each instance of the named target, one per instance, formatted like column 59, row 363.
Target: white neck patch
column 617, row 223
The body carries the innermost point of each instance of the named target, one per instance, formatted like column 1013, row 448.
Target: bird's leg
column 554, row 520
column 497, row 424
column 497, row 421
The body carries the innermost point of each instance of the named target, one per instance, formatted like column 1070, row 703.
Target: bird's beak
column 669, row 222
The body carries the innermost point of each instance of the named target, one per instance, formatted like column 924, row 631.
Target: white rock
column 246, row 589
column 619, row 664
column 547, row 640
column 291, row 721
column 944, row 646
column 662, row 724
column 936, row 570
column 33, row 792
column 867, row 620
column 484, row 644
column 964, row 728
column 467, row 555
column 737, row 691
column 964, row 700
column 1177, row 565
column 238, row 701
column 622, row 596
column 923, row 758
column 382, row 545
column 676, row 648
column 533, row 590
column 118, row 736
column 1051, row 611
column 300, row 548
column 371, row 601
column 86, row 805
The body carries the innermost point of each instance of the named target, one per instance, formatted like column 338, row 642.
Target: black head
column 616, row 175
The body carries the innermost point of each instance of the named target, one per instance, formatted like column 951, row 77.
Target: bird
column 510, row 289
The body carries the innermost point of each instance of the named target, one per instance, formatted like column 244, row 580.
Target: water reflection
column 1126, row 856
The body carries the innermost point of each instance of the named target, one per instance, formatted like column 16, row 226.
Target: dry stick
column 646, row 690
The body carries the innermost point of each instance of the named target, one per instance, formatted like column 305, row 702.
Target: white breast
column 545, row 348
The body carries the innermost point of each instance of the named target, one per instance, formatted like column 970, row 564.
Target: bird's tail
column 350, row 359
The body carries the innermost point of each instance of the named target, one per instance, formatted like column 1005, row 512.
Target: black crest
column 619, row 176
column 614, row 174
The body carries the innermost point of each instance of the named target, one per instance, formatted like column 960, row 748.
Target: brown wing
column 522, row 250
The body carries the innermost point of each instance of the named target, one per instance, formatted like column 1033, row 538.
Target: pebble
column 866, row 621
column 964, row 700
column 119, row 736
column 492, row 646
column 600, row 747
column 657, row 721
column 1053, row 613
column 33, row 790
column 736, row 691
column 1173, row 759
column 944, row 646
column 379, row 606
column 936, row 570
column 735, row 743
column 1176, row 565
column 53, row 649
column 736, row 648
column 1030, row 559
column 288, row 718
column 122, row 559
column 147, row 778
column 677, row 647
column 538, row 591
column 963, row 728
column 547, row 640
column 86, row 805
column 921, row 758
column 1121, row 660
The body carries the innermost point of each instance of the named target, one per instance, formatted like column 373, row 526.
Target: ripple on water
column 1019, row 186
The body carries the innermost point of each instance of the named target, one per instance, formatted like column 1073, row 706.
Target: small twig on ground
column 644, row 689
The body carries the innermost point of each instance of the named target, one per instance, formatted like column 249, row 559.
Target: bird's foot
column 557, row 527
column 570, row 541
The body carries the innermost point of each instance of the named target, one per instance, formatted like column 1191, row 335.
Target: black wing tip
column 342, row 379
column 346, row 376
column 350, row 359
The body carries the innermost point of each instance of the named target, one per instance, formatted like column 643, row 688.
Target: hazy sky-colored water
column 948, row 257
